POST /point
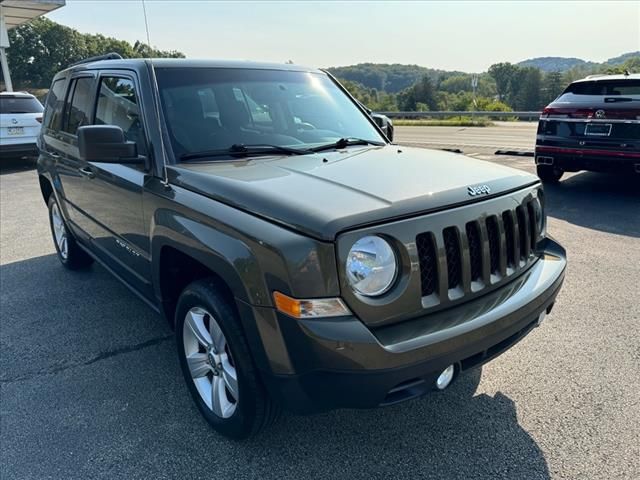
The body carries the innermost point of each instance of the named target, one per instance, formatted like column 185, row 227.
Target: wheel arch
column 46, row 188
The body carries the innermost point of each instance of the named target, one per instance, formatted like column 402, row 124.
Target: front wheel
column 217, row 365
column 69, row 253
column 549, row 173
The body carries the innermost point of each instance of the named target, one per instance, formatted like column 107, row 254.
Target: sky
column 455, row 35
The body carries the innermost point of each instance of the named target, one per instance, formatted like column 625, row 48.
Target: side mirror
column 106, row 143
column 385, row 124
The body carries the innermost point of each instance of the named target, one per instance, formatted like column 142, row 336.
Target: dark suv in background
column 303, row 260
column 594, row 125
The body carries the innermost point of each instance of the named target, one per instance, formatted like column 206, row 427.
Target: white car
column 20, row 119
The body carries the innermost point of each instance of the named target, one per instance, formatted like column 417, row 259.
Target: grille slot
column 473, row 255
column 475, row 250
column 509, row 234
column 493, row 232
column 532, row 224
column 428, row 263
column 523, row 230
column 452, row 249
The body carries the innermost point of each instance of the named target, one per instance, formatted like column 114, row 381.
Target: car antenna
column 156, row 102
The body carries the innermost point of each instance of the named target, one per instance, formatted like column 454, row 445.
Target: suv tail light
column 610, row 113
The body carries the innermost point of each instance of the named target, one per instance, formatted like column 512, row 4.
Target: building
column 14, row 13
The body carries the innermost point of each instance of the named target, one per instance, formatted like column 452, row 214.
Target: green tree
column 503, row 74
column 553, row 86
column 42, row 47
column 525, row 89
column 422, row 93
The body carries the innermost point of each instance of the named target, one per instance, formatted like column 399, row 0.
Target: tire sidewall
column 240, row 424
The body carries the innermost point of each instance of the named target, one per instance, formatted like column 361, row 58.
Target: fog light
column 445, row 377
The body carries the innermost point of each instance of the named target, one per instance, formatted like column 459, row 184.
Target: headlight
column 371, row 266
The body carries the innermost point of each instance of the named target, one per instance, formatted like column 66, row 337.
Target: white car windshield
column 218, row 109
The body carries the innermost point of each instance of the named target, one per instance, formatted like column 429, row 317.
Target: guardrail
column 528, row 116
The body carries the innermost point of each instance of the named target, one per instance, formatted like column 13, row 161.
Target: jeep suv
column 304, row 261
column 593, row 125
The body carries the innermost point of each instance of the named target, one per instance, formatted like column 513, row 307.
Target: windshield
column 210, row 109
column 11, row 104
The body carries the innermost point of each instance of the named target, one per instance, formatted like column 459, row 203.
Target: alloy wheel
column 210, row 362
column 59, row 232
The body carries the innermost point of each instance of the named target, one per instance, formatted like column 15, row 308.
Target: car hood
column 325, row 193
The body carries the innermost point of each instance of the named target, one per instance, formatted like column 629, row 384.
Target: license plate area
column 15, row 131
column 598, row 129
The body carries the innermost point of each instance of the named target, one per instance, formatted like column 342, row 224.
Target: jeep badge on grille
column 479, row 190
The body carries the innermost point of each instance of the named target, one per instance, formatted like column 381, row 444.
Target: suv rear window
column 609, row 88
column 11, row 104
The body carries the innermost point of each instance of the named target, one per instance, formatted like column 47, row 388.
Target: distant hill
column 623, row 58
column 562, row 64
column 386, row 77
column 554, row 64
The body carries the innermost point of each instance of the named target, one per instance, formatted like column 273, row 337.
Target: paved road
column 90, row 386
column 505, row 135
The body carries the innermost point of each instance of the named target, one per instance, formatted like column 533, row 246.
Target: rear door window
column 78, row 107
column 17, row 104
column 54, row 103
column 118, row 105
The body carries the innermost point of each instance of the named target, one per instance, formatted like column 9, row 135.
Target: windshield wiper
column 243, row 150
column 345, row 142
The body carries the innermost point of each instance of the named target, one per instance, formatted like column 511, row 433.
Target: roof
column 601, row 77
column 189, row 63
column 17, row 12
column 16, row 94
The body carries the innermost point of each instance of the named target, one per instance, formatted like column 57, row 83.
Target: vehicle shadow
column 443, row 435
column 13, row 165
column 609, row 203
column 102, row 382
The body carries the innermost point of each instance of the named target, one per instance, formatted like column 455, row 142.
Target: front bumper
column 316, row 365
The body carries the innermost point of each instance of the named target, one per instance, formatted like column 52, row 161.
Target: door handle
column 87, row 172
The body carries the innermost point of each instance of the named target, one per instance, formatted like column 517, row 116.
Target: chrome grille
column 461, row 259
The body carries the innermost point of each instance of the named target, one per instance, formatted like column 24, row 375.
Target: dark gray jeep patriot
column 304, row 261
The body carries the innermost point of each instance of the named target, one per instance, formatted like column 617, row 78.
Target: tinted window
column 54, row 101
column 118, row 105
column 11, row 104
column 78, row 108
column 605, row 87
column 215, row 108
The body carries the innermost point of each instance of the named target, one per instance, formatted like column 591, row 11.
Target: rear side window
column 16, row 104
column 609, row 88
column 118, row 105
column 78, row 107
column 53, row 109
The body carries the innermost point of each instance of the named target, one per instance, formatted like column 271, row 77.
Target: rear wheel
column 549, row 173
column 69, row 253
column 216, row 363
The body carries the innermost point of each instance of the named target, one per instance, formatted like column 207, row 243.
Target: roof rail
column 106, row 56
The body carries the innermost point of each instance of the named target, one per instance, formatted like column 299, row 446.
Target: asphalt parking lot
column 91, row 388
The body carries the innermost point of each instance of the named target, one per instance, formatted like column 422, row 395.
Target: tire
column 549, row 173
column 69, row 253
column 237, row 409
